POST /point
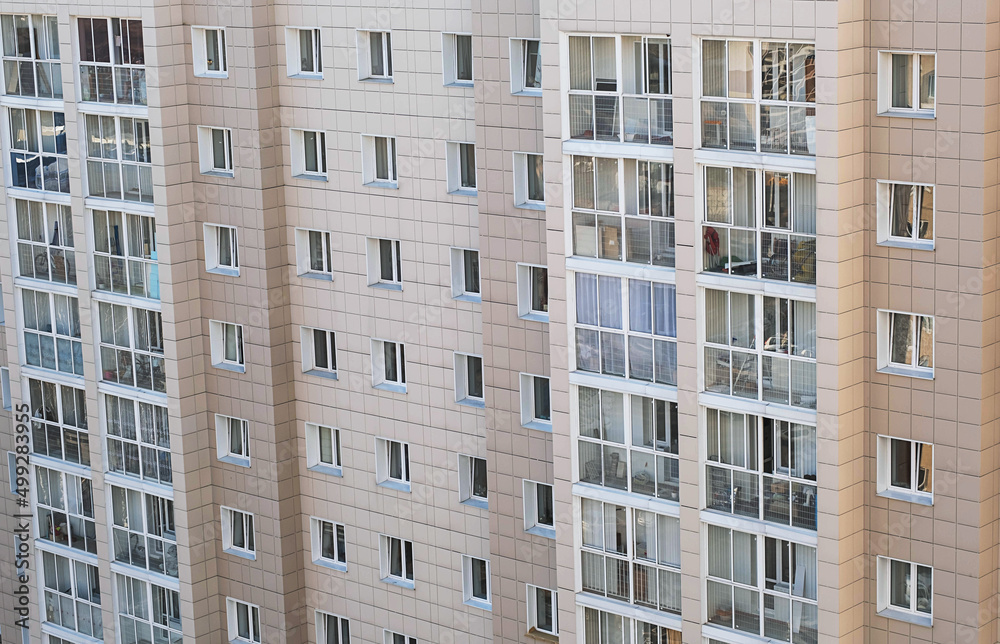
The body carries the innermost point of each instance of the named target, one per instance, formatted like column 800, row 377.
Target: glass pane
column 740, row 69
column 928, row 82
column 774, row 79
column 902, row 81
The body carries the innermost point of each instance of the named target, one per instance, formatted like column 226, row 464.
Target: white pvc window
column 208, row 46
column 303, row 48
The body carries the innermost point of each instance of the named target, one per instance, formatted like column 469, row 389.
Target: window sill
column 239, row 461
column 461, row 84
column 466, row 297
column 906, row 616
column 479, row 603
column 221, row 270
column 235, row 368
column 306, row 76
column 542, row 635
column 542, row 531
column 909, row 244
column 223, row 174
column 326, row 277
column 319, row 373
column 211, row 74
column 533, row 93
column 380, row 183
column 399, row 486
column 540, row 425
column 311, row 177
column 472, row 402
column 376, row 79
column 391, row 386
column 329, row 470
column 535, row 317
column 332, row 565
column 909, row 372
column 909, row 497
column 925, row 115
column 243, row 554
column 464, row 192
column 402, row 583
column 474, row 502
column 387, row 286
column 531, row 205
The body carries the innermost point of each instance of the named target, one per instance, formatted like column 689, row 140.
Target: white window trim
column 298, row 150
column 364, row 56
column 467, row 592
column 524, row 285
column 884, row 472
column 293, row 52
column 466, row 483
column 321, row 634
column 307, row 342
column 529, row 498
column 458, row 290
column 316, row 542
column 383, row 468
column 383, row 551
column 517, row 68
column 462, row 396
column 884, row 581
column 528, row 420
column 222, row 429
column 521, row 199
column 378, row 366
column 449, row 60
column 199, row 52
column 5, row 388
column 453, row 160
column 884, row 342
column 883, row 196
column 884, row 98
column 532, row 611
column 232, row 623
column 303, row 254
column 369, row 162
column 217, row 340
column 388, row 637
column 313, row 461
column 206, row 153
column 212, row 234
column 374, row 261
column 227, row 532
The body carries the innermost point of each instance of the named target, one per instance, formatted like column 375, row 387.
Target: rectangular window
column 138, row 439
column 476, row 582
column 233, row 440
column 378, row 161
column 215, row 151
column 906, row 344
column 31, row 56
column 227, row 345
column 533, row 292
column 905, row 590
column 536, row 402
column 72, row 591
column 8, row 403
column 304, row 52
column 608, row 628
column 323, row 449
column 59, row 422
column 222, row 250
column 131, row 349
column 329, row 544
column 396, row 557
column 65, row 509
column 388, row 365
column 119, row 158
column 628, row 442
column 461, row 166
column 308, row 154
column 52, row 331
column 38, row 157
column 385, row 264
column 143, row 532
column 539, row 517
column 525, row 67
column 242, row 621
column 472, row 481
column 906, row 470
column 905, row 215
column 332, row 629
column 543, row 613
column 529, row 181
column 468, row 379
column 392, row 463
column 45, row 241
column 145, row 607
column 388, row 637
column 208, row 46
column 238, row 533
column 319, row 352
column 314, row 257
column 125, row 254
column 907, row 83
column 374, row 55
column 456, row 50
column 465, row 283
column 112, row 59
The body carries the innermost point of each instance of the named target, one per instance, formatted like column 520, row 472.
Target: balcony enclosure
column 125, row 254
column 45, row 241
column 31, row 56
column 112, row 60
column 119, row 158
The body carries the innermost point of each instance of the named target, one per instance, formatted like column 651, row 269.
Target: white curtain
column 665, row 299
column 803, row 447
column 607, row 184
column 590, row 410
column 716, row 317
column 586, row 299
column 720, row 555
column 745, row 558
column 742, row 323
column 803, row 328
column 804, row 203
column 803, row 571
column 713, row 68
column 640, row 306
column 613, row 416
column 717, row 195
column 579, row 63
column 668, row 547
column 610, row 291
column 645, row 535
column 593, row 523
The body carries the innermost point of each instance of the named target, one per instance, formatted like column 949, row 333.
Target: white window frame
column 224, row 427
column 466, row 481
column 132, row 248
column 5, row 388
column 463, row 396
column 369, row 161
column 518, row 67
column 365, row 71
column 379, row 380
column 307, row 340
column 383, row 464
column 61, row 502
column 884, row 605
column 218, row 330
column 407, row 580
column 200, row 53
column 293, row 52
column 526, row 292
column 149, row 345
column 137, row 158
column 885, row 465
column 78, row 596
column 131, row 69
column 45, row 52
column 52, row 176
column 303, row 253
column 229, row 517
column 459, row 290
column 339, row 561
column 528, row 417
column 374, row 261
column 391, row 637
column 134, row 596
column 468, row 591
column 522, row 192
column 885, row 194
column 885, row 107
column 149, row 440
column 529, row 497
column 314, row 458
column 532, row 606
column 50, row 216
column 214, row 234
column 232, row 621
column 64, row 333
column 49, row 410
column 453, row 159
column 156, row 531
column 298, row 164
column 206, row 151
column 449, row 60
column 885, row 320
column 341, row 624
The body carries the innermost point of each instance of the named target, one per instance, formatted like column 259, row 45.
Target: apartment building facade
column 591, row 322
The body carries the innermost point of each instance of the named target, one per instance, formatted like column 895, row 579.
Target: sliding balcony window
column 138, row 439
column 600, row 627
column 59, row 422
column 72, row 595
column 150, row 612
column 45, row 241
column 38, row 157
column 65, row 510
column 112, row 61
column 143, row 531
column 637, row 108
column 31, row 56
column 119, row 158
column 125, row 255
column 52, row 338
column 131, row 349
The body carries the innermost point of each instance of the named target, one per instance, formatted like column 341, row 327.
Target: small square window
column 465, row 284
column 529, row 181
column 215, row 151
column 392, row 464
column 242, row 621
column 543, row 612
column 388, row 637
column 238, row 533
column 329, row 545
column 533, row 292
column 905, row 590
column 319, row 352
column 374, row 55
column 907, row 83
column 303, row 52
column 323, row 449
column 472, row 485
column 309, row 154
column 208, row 46
column 456, row 50
column 233, row 440
column 222, row 255
column 905, row 470
column 396, row 561
column 388, row 366
column 313, row 256
column 378, row 161
column 385, row 264
column 461, row 160
column 332, row 629
column 536, row 404
column 476, row 582
column 906, row 344
column 538, row 509
column 227, row 345
column 905, row 215
column 469, row 380
column 525, row 67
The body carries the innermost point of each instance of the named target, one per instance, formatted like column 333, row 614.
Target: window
column 476, row 582
column 456, row 50
column 304, row 52
column 65, row 506
column 906, row 344
column 308, row 154
column 233, row 440
column 111, row 61
column 782, row 224
column 905, row 215
column 143, row 532
column 396, row 558
column 378, row 161
column 536, row 402
column 761, row 585
column 227, row 346
column 543, row 612
column 145, row 608
column 125, row 254
column 469, row 379
column 119, row 158
column 138, row 439
column 242, row 621
column 59, row 422
column 392, row 464
column 388, row 366
column 907, row 83
column 389, row 637
column 38, row 158
column 465, row 275
column 761, row 468
column 607, row 307
column 215, row 151
column 208, row 48
column 461, row 159
column 472, row 486
column 52, row 331
column 906, row 470
column 329, row 545
column 31, row 56
column 238, row 533
column 608, row 628
column 131, row 351
column 323, row 449
column 385, row 265
column 529, row 181
column 72, row 595
column 45, row 241
column 628, row 442
column 525, row 67
column 319, row 352
column 374, row 55
column 332, row 629
column 222, row 250
column 647, row 227
column 5, row 388
column 538, row 509
column 905, row 590
column 768, row 355
column 314, row 257
column 785, row 97
column 533, row 292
